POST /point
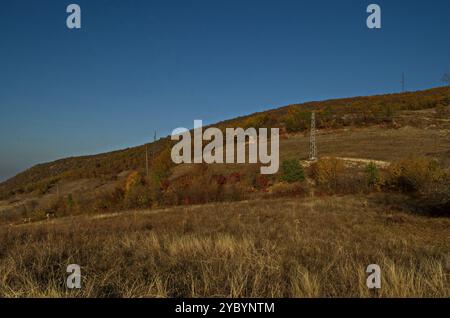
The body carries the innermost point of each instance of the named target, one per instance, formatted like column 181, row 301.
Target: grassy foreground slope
column 316, row 247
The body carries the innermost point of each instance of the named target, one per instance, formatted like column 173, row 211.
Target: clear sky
column 136, row 66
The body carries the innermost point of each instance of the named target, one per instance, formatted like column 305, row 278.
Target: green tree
column 292, row 171
column 372, row 174
column 297, row 120
column 137, row 194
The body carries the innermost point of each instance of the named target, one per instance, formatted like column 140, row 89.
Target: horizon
column 139, row 67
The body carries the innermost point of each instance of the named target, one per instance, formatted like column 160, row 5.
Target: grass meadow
column 291, row 247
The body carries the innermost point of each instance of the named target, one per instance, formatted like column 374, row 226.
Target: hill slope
column 386, row 128
column 357, row 111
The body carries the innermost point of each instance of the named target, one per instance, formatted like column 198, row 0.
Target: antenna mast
column 146, row 154
column 146, row 159
column 153, row 147
column 403, row 82
column 312, row 139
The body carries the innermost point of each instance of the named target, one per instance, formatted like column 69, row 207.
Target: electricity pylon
column 312, row 138
column 446, row 78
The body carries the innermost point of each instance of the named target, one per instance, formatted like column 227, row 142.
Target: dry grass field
column 296, row 247
column 376, row 143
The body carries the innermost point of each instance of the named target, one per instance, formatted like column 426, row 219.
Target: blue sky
column 136, row 66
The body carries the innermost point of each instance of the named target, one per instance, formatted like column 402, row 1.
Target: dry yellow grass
column 317, row 247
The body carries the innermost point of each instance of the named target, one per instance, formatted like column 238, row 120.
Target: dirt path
column 357, row 161
column 353, row 162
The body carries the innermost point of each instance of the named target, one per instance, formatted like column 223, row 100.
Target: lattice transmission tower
column 312, row 138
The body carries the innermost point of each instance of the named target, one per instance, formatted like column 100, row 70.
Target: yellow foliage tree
column 133, row 180
column 326, row 172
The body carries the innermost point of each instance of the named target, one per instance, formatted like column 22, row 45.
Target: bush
column 134, row 179
column 296, row 120
column 159, row 172
column 435, row 198
column 292, row 171
column 287, row 189
column 426, row 183
column 161, row 166
column 352, row 181
column 137, row 195
column 412, row 175
column 233, row 192
column 372, row 175
column 260, row 121
column 327, row 173
column 261, row 182
column 203, row 189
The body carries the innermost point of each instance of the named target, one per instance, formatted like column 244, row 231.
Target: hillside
column 378, row 194
column 358, row 111
column 385, row 127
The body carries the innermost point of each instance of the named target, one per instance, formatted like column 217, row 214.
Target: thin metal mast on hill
column 403, row 82
column 153, row 147
column 312, row 139
column 146, row 159
column 153, row 154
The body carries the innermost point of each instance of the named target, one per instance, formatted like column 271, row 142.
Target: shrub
column 233, row 192
column 412, row 175
column 261, row 182
column 53, row 207
column 372, row 175
column 103, row 201
column 387, row 113
column 70, row 202
column 137, row 194
column 352, row 181
column 292, row 171
column 133, row 180
column 159, row 172
column 138, row 197
column 426, row 183
column 202, row 189
column 443, row 109
column 260, row 121
column 327, row 172
column 435, row 197
column 296, row 120
column 39, row 214
column 161, row 166
column 171, row 196
column 287, row 189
